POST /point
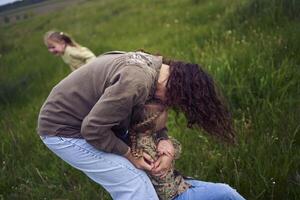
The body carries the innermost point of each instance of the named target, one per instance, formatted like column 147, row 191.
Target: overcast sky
column 2, row 2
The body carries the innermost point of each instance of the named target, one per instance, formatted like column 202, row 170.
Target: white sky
column 2, row 2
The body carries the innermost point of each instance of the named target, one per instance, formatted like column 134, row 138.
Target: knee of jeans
column 227, row 193
column 142, row 188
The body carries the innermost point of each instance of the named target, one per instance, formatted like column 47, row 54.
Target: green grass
column 251, row 47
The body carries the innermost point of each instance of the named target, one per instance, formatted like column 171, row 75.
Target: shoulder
column 135, row 74
column 113, row 52
column 75, row 49
column 69, row 50
column 81, row 48
column 133, row 80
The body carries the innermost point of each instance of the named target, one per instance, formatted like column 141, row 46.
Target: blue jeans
column 120, row 178
column 209, row 191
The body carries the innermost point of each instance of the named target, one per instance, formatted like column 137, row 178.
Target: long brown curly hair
column 193, row 91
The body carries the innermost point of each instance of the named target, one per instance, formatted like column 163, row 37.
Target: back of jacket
column 99, row 97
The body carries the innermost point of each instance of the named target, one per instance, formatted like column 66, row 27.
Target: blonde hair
column 57, row 36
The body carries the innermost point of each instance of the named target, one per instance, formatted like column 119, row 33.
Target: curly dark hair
column 193, row 91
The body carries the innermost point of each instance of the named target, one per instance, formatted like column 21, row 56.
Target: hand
column 165, row 147
column 145, row 162
column 162, row 166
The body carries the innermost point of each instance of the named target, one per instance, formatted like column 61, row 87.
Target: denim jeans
column 120, row 178
column 209, row 191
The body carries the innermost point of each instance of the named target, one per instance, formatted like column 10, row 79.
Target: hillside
column 251, row 47
column 18, row 4
column 25, row 10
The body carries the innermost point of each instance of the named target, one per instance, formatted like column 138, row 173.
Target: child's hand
column 145, row 162
column 165, row 147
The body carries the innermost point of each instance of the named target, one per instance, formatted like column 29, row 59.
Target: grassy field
column 26, row 12
column 251, row 47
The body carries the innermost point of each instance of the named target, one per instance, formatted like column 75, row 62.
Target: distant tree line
column 18, row 4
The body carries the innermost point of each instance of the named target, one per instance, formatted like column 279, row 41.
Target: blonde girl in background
column 73, row 54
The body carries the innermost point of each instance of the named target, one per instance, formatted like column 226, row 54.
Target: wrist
column 162, row 134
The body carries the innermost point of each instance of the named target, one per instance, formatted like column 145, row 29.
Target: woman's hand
column 145, row 162
column 165, row 147
column 162, row 166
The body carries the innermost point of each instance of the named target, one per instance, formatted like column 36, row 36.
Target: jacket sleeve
column 128, row 88
column 83, row 54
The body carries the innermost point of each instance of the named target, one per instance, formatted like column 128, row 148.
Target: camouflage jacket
column 173, row 183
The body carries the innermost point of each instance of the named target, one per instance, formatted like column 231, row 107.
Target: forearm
column 113, row 107
column 96, row 130
column 106, row 141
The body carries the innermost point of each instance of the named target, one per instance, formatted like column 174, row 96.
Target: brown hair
column 59, row 37
column 193, row 91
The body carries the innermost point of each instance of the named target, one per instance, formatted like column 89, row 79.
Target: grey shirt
column 98, row 98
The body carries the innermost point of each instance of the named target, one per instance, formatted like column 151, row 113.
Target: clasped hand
column 159, row 167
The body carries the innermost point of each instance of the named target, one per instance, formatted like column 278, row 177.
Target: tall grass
column 251, row 47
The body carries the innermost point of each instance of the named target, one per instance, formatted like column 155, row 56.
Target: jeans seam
column 140, row 176
column 108, row 161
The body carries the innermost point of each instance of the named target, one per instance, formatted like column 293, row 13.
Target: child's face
column 56, row 48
